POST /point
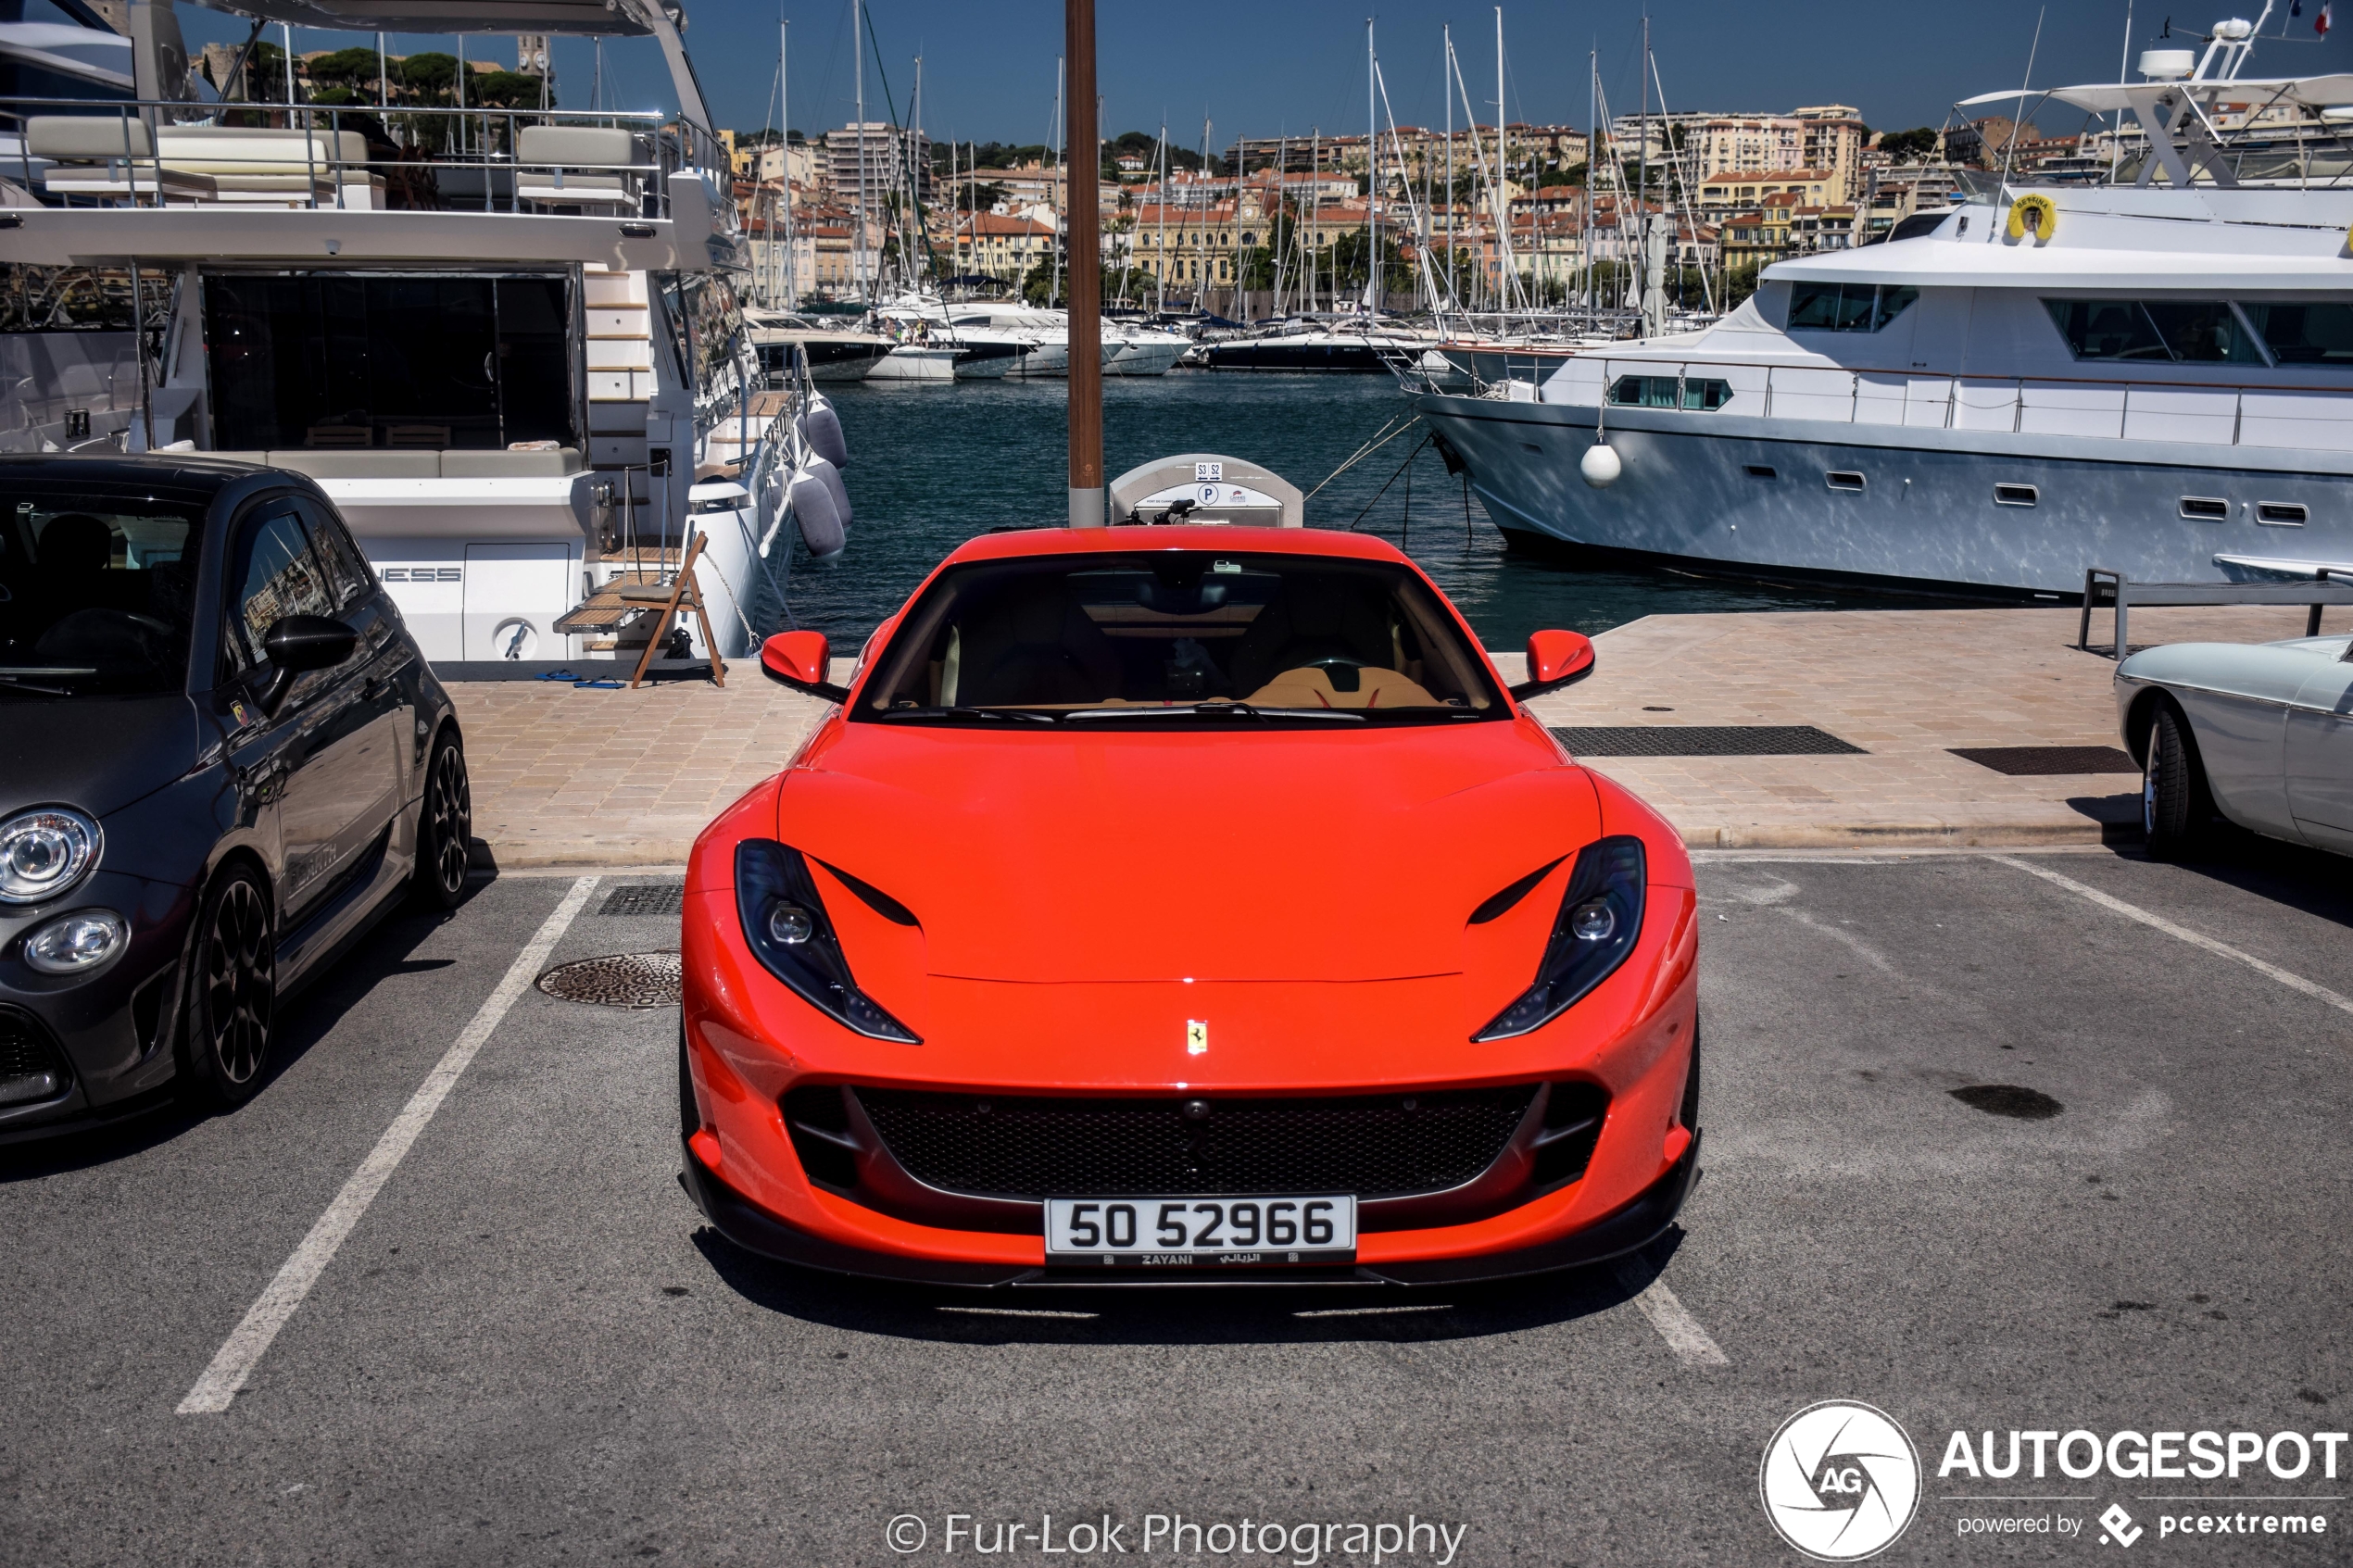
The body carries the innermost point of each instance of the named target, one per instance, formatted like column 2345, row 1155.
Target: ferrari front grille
column 1037, row 1147
column 30, row 1068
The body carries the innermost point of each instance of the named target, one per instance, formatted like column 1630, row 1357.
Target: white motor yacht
column 2153, row 375
column 504, row 342
column 830, row 354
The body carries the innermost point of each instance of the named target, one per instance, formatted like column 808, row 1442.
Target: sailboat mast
column 1161, row 271
column 783, row 144
column 1643, row 176
column 1447, row 92
column 858, row 55
column 1061, row 185
column 1315, row 211
column 1372, row 179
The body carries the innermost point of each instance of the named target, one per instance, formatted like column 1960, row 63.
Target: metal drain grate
column 645, row 898
column 2029, row 761
column 1702, row 740
column 618, row 980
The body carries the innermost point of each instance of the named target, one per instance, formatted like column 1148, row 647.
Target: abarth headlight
column 77, row 943
column 785, row 923
column 45, row 852
column 1600, row 918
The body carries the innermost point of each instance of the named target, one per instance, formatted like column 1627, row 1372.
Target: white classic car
column 2261, row 732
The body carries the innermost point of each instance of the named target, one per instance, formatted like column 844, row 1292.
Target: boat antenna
column 1082, row 224
column 2010, row 150
column 2123, row 64
column 858, row 59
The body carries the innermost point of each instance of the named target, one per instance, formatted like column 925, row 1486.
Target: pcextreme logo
column 1841, row 1481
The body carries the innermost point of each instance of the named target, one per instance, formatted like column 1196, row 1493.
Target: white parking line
column 2197, row 939
column 1677, row 1326
column 235, row 1362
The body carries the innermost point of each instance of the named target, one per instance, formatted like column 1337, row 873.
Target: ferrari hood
column 1275, row 855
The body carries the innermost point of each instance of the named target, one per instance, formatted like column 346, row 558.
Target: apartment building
column 886, row 152
column 1000, row 246
column 1723, row 198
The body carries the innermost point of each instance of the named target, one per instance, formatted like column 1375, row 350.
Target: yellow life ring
column 2034, row 215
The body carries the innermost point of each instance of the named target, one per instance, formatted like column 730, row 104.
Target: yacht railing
column 155, row 153
column 2191, row 410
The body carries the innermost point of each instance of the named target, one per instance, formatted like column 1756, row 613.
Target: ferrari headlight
column 783, row 920
column 45, row 852
column 1601, row 916
column 77, row 943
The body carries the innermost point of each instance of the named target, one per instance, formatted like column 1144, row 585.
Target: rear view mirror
column 1554, row 660
column 298, row 643
column 800, row 660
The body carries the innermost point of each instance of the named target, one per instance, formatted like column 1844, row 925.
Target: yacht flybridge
column 504, row 341
column 2152, row 374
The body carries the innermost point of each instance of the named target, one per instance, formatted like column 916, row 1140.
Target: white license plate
column 1186, row 1232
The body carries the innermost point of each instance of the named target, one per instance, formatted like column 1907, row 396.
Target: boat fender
column 812, row 509
column 2034, row 215
column 831, row 476
column 1600, row 465
column 821, row 427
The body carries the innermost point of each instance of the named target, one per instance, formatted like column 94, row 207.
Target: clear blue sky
column 1273, row 65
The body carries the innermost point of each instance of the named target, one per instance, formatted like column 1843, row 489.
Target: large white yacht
column 2152, row 375
column 505, row 341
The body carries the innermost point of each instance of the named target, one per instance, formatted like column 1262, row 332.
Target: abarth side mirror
column 800, row 660
column 295, row 644
column 1554, row 660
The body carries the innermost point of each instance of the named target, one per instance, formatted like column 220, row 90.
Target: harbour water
column 932, row 466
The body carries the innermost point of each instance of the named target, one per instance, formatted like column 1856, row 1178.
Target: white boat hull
column 909, row 363
column 1695, row 493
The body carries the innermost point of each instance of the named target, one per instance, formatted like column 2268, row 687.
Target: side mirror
column 1554, row 660
column 800, row 660
column 298, row 643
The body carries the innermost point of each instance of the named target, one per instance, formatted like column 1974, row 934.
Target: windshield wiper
column 18, row 683
column 1205, row 709
column 1022, row 715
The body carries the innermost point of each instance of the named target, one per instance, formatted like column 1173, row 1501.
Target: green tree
column 507, row 89
column 1909, row 146
column 430, row 75
column 345, row 68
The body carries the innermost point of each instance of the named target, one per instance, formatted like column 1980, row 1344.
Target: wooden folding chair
column 684, row 592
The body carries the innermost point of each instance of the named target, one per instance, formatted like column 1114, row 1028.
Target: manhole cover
column 646, row 898
column 617, row 980
column 1702, row 740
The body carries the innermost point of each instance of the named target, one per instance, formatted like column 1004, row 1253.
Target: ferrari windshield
column 95, row 590
column 1166, row 637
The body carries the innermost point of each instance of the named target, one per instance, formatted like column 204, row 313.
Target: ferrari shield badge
column 1196, row 1036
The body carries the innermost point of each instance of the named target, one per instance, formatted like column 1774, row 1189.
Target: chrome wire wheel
column 443, row 825
column 239, row 974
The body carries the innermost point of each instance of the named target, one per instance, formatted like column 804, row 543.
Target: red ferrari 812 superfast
column 1186, row 904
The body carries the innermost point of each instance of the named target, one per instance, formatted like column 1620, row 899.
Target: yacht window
column 2281, row 514
column 1760, row 470
column 1846, row 308
column 2306, row 334
column 336, row 359
column 1660, row 392
column 1838, row 479
column 2182, row 332
column 2016, row 495
column 2205, row 509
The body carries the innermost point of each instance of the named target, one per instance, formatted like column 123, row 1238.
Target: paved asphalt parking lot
column 526, row 1348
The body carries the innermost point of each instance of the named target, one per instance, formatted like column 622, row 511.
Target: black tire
column 2177, row 810
column 233, row 992
column 445, row 825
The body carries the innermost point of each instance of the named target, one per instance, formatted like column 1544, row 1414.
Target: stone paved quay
column 617, row 778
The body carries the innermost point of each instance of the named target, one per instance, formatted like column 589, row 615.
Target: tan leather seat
column 1312, row 687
